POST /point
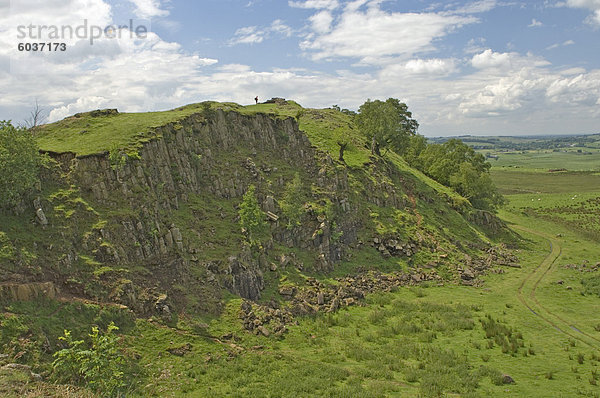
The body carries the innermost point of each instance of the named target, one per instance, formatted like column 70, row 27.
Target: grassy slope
column 87, row 135
column 357, row 352
column 401, row 344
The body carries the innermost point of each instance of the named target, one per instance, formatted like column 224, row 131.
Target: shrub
column 99, row 365
column 252, row 218
column 292, row 202
column 20, row 162
column 117, row 158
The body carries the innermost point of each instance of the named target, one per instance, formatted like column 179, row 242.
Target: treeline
column 388, row 125
column 529, row 143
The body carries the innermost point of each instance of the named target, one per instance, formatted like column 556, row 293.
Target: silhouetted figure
column 256, row 99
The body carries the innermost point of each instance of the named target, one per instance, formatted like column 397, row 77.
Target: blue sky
column 463, row 67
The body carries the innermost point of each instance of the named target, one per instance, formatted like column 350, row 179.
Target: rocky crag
column 158, row 230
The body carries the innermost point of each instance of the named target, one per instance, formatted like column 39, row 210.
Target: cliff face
column 161, row 229
column 172, row 211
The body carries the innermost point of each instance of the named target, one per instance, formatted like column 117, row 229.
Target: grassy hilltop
column 464, row 311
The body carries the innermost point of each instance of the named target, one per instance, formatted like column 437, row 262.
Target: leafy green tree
column 20, row 162
column 99, row 364
column 386, row 124
column 416, row 145
column 457, row 165
column 252, row 218
column 476, row 186
column 292, row 202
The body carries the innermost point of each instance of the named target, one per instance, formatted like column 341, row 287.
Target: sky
column 483, row 67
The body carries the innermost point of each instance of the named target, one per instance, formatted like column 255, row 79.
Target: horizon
column 459, row 67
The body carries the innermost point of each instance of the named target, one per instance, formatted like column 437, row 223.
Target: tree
column 20, row 162
column 252, row 218
column 292, row 202
column 476, row 186
column 386, row 124
column 416, row 145
column 457, row 165
column 37, row 117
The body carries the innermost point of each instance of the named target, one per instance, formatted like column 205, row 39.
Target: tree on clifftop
column 19, row 163
column 386, row 124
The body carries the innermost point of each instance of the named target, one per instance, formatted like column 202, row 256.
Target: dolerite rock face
column 166, row 221
column 487, row 220
column 216, row 157
column 246, row 277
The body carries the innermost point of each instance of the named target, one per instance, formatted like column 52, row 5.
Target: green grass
column 356, row 347
column 545, row 160
column 412, row 342
column 514, row 181
column 87, row 135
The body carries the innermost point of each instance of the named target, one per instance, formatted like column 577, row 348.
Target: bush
column 252, row 218
column 99, row 365
column 20, row 162
column 293, row 201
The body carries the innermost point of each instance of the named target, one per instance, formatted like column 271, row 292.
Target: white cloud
column 475, row 45
column 583, row 89
column 279, row 27
column 374, row 34
column 491, row 59
column 535, row 23
column 318, row 4
column 321, row 21
column 434, row 67
column 254, row 34
column 528, row 86
column 147, row 9
column 592, row 5
column 129, row 73
column 248, row 35
column 563, row 44
column 475, row 7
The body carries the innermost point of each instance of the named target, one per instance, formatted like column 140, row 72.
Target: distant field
column 518, row 181
column 568, row 198
column 571, row 161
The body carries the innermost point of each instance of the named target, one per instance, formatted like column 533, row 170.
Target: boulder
column 468, row 274
column 288, row 291
column 320, row 298
column 506, row 379
column 41, row 217
column 181, row 350
column 264, row 331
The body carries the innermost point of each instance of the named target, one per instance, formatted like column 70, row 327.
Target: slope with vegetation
column 160, row 222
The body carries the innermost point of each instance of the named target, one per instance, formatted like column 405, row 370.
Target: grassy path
column 528, row 286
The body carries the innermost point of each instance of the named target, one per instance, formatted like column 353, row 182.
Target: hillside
column 138, row 217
